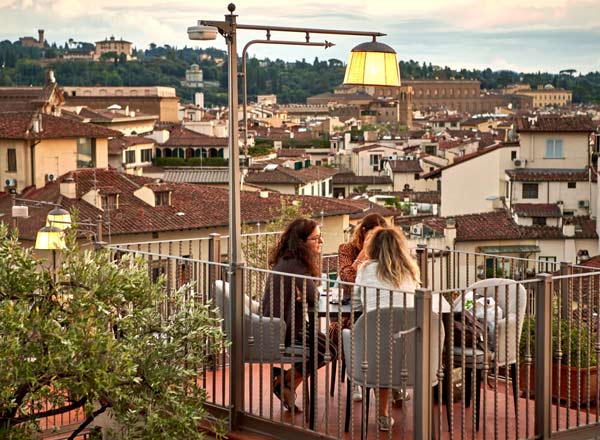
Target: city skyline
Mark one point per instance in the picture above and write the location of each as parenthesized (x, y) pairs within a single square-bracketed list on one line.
[(541, 36)]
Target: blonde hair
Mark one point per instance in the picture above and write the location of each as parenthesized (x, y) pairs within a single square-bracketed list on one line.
[(388, 247)]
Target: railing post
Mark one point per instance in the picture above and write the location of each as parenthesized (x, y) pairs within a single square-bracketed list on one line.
[(422, 391), (214, 256), (565, 304), (543, 357), (99, 229), (422, 262)]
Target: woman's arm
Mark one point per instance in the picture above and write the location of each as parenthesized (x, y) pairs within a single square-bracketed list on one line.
[(346, 263)]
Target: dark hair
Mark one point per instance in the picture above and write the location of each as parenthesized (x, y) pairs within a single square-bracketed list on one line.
[(292, 244), (368, 222)]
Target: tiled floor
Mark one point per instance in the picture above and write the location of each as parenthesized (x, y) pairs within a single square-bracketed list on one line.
[(331, 410)]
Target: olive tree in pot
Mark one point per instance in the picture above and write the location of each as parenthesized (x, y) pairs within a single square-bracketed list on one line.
[(89, 340)]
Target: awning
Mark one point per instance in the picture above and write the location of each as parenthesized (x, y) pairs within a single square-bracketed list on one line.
[(510, 249)]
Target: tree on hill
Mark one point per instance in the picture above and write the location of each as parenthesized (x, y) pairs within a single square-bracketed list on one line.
[(293, 82), (90, 337)]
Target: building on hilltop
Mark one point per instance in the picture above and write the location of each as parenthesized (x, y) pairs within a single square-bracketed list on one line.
[(194, 77), (111, 45), (33, 42)]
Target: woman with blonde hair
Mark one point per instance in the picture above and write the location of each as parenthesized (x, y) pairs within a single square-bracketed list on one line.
[(389, 267), (350, 256)]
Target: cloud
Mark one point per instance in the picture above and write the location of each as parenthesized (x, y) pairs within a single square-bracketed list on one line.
[(533, 35)]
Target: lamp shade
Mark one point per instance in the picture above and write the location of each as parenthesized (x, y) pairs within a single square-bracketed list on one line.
[(59, 218), (50, 238), (373, 64)]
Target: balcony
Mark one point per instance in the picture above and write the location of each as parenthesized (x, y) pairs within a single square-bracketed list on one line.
[(412, 342)]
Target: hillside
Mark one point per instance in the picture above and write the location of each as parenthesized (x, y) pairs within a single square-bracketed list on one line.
[(293, 82)]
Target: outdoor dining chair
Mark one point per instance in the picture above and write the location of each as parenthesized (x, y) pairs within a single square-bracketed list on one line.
[(503, 344), (383, 341)]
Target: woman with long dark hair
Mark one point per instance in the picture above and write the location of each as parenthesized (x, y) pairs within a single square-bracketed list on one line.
[(296, 253)]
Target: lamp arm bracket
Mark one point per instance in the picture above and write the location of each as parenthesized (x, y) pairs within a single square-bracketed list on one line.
[(224, 27)]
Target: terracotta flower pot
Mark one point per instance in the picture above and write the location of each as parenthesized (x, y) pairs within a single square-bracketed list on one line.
[(566, 373)]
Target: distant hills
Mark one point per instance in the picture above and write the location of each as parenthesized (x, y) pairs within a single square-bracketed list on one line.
[(293, 82)]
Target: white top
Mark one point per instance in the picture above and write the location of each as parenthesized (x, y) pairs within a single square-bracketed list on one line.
[(367, 276)]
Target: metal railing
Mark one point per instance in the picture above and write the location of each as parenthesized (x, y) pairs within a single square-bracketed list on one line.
[(512, 354)]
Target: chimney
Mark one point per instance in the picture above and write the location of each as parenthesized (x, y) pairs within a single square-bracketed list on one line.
[(41, 37), (450, 232), (568, 230), (37, 124), (50, 78), (68, 188)]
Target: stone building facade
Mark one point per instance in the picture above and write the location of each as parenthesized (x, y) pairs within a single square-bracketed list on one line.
[(112, 45), (460, 95), (161, 101)]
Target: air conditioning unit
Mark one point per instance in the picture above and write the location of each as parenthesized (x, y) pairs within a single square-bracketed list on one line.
[(415, 230), (50, 177), (11, 183), (519, 163), (584, 203), (392, 157)]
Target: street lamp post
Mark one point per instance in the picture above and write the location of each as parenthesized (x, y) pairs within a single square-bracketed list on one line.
[(371, 63)]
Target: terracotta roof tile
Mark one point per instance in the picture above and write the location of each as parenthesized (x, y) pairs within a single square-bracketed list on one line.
[(365, 207), (352, 179), (288, 175), (499, 225), (183, 137), (202, 206), (549, 174), (537, 210), (291, 152), (556, 123), (18, 125), (14, 99), (405, 166)]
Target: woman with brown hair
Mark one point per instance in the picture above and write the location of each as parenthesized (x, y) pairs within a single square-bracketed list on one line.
[(352, 254), (296, 253), (389, 268)]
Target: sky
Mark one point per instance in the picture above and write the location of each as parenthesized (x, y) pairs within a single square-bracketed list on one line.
[(520, 35)]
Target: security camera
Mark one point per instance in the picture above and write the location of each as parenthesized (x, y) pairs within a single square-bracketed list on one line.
[(201, 32)]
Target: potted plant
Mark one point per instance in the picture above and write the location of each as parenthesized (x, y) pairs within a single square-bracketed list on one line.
[(572, 372)]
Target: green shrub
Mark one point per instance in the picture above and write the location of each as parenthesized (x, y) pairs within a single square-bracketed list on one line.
[(575, 336)]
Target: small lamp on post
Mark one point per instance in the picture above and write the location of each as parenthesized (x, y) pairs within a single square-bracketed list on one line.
[(59, 218), (50, 238)]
